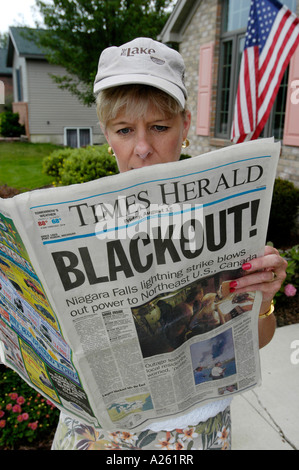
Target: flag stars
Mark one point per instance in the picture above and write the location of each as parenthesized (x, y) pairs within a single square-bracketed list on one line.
[(260, 22), (265, 21)]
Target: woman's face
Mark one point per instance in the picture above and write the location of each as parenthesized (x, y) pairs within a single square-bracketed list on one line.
[(152, 139)]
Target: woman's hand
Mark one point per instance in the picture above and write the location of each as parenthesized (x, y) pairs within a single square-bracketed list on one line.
[(265, 274)]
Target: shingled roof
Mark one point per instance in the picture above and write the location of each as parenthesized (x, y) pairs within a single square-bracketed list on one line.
[(22, 40)]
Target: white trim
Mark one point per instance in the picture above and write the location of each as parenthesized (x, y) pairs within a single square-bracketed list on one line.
[(178, 21)]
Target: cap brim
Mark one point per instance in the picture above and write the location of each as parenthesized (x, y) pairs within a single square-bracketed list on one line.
[(128, 79)]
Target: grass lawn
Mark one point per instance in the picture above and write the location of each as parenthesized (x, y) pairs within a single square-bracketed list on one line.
[(21, 164)]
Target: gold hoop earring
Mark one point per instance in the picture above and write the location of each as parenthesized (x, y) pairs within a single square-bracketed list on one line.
[(110, 151), (185, 144)]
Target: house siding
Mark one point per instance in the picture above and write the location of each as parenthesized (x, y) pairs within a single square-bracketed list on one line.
[(204, 28), (51, 109), (19, 63)]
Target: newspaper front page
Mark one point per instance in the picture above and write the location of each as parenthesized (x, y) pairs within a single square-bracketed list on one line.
[(114, 294)]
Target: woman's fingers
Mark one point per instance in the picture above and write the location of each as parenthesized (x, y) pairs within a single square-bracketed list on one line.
[(265, 274)]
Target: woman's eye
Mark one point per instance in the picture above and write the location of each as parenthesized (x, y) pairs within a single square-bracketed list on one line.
[(160, 128), (123, 131)]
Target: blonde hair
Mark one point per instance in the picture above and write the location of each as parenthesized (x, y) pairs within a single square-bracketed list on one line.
[(134, 100)]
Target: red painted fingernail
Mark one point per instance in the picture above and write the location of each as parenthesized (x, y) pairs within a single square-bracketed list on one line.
[(231, 289), (246, 266), (233, 284)]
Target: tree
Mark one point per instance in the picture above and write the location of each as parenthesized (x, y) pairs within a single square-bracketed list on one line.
[(78, 30), (3, 40)]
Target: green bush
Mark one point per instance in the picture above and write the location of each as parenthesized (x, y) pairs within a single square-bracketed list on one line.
[(284, 210), (9, 125), (71, 166), (185, 156), (290, 286), (88, 164), (26, 417), (292, 257), (53, 164)]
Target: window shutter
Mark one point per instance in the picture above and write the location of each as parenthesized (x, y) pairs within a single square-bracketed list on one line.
[(204, 89), (291, 127)]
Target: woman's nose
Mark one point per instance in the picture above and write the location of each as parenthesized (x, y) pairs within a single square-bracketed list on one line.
[(143, 146), (144, 155)]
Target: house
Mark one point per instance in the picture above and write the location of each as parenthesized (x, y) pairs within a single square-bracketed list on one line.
[(6, 89), (210, 36), (49, 113)]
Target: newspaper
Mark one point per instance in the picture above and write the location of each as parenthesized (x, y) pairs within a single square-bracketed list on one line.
[(114, 294)]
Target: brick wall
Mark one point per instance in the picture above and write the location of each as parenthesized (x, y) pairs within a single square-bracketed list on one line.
[(205, 27), (22, 108), (8, 87)]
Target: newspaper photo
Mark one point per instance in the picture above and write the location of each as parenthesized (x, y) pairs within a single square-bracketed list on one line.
[(114, 294)]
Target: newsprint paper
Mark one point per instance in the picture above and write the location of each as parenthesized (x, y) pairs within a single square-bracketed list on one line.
[(114, 294)]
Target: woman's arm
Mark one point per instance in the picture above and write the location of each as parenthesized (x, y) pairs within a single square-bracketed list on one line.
[(267, 326), (265, 274)]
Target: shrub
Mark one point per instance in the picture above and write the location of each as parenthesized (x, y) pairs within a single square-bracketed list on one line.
[(185, 156), (53, 164), (88, 164), (284, 210), (10, 126), (25, 416), (71, 166), (291, 284)]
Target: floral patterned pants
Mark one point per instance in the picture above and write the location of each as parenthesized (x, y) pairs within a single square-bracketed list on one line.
[(213, 434)]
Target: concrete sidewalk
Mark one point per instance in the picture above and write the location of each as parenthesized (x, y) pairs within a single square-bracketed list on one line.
[(267, 418)]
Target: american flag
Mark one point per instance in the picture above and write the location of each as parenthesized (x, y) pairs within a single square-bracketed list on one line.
[(271, 39)]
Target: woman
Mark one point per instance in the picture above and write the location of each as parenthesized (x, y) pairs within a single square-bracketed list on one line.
[(146, 121)]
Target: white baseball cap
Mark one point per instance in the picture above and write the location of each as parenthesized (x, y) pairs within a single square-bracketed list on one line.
[(143, 61)]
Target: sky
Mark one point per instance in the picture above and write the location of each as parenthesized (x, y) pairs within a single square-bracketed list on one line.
[(18, 13)]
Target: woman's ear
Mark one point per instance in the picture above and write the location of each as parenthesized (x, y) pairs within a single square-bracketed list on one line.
[(187, 123)]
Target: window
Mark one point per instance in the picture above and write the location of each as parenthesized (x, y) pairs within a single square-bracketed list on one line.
[(234, 24), (275, 124), (236, 14), (19, 85), (77, 137)]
